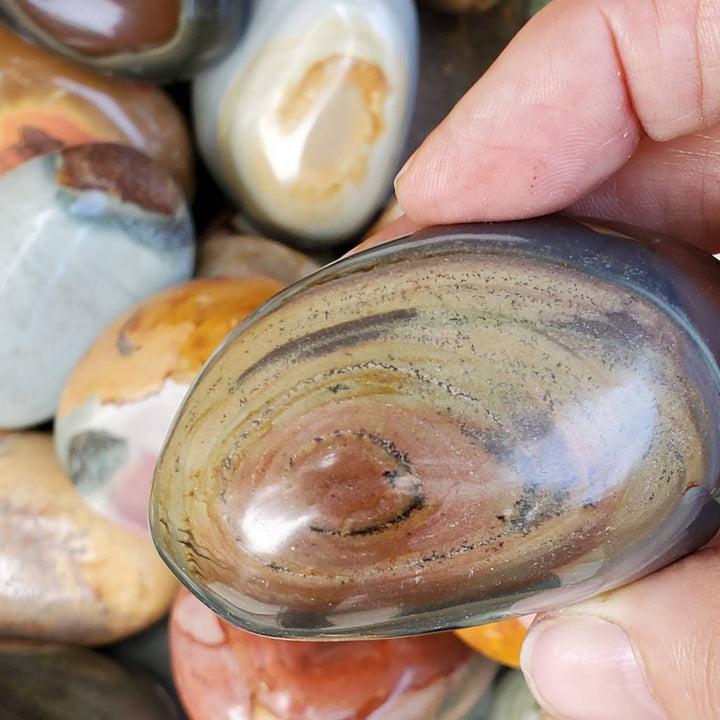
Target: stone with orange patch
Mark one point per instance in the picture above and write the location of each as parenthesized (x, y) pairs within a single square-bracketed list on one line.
[(68, 574), (500, 641), (304, 122), (121, 398), (225, 673), (47, 103)]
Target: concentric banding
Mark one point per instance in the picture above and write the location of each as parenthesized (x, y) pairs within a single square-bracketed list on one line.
[(541, 423)]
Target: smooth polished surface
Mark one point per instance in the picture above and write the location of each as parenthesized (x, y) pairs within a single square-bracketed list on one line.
[(303, 124), (85, 232), (224, 673), (66, 574), (123, 394), (500, 641), (227, 252), (160, 40), (47, 103), (473, 423), (61, 682)]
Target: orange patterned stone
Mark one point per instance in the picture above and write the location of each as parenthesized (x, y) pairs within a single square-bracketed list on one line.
[(224, 673), (122, 396), (68, 575), (500, 641), (47, 102)]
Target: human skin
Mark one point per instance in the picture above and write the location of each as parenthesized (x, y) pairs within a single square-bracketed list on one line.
[(607, 109)]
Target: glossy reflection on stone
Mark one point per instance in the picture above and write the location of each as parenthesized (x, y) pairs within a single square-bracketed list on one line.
[(472, 423), (160, 40), (224, 673), (121, 398), (68, 575), (85, 232), (303, 124), (227, 252), (60, 682), (47, 103)]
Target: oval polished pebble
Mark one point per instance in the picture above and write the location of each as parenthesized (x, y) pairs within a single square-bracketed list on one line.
[(121, 398), (66, 574), (224, 673), (47, 103), (303, 124), (226, 252), (500, 641), (162, 40), (472, 423), (85, 232), (62, 682)]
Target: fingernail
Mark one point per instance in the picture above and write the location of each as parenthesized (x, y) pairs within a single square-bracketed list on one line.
[(403, 170), (586, 669)]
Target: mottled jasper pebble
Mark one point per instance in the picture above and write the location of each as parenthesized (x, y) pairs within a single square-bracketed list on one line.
[(161, 40), (67, 574), (224, 673), (117, 406), (62, 682), (469, 424), (225, 252), (304, 122), (500, 641), (47, 103), (512, 700), (461, 6), (85, 232)]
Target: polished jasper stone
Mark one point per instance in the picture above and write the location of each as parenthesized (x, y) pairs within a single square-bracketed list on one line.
[(85, 232), (68, 574), (304, 123), (500, 641), (224, 673), (160, 40), (225, 251), (61, 682), (121, 397), (469, 424), (47, 103)]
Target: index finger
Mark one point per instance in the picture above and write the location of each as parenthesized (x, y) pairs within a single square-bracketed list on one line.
[(565, 106)]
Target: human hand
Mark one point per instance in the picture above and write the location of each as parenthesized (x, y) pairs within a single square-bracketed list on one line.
[(608, 109)]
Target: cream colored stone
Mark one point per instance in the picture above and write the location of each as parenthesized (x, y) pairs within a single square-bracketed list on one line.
[(66, 574)]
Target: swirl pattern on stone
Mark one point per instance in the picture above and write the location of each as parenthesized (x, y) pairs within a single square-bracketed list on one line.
[(473, 423)]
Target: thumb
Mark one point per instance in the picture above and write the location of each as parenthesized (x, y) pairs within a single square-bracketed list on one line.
[(648, 651)]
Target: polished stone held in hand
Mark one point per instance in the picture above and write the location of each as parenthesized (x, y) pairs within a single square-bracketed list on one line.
[(468, 424)]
